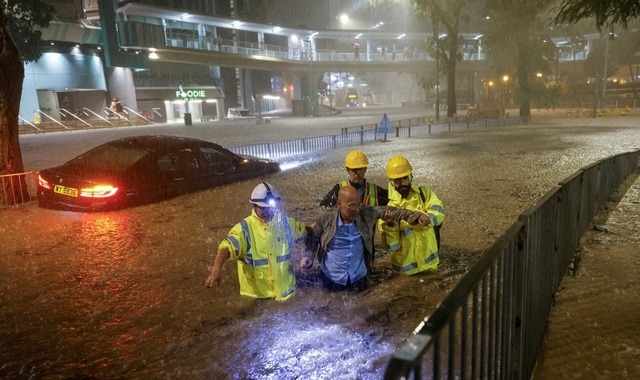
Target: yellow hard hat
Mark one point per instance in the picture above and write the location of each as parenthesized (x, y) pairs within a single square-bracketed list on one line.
[(356, 160), (398, 167)]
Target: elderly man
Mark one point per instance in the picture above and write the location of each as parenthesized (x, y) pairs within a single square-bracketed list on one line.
[(261, 245), (345, 236)]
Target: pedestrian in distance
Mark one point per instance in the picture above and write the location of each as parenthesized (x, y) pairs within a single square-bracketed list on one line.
[(413, 248), (261, 244), (345, 240), (356, 163)]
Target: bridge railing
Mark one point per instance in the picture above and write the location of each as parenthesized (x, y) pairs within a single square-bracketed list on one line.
[(492, 323)]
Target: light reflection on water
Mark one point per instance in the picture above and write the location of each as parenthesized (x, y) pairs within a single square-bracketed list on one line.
[(285, 344), (106, 292)]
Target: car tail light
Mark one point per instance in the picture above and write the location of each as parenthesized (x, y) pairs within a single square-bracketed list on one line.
[(43, 182), (100, 191)]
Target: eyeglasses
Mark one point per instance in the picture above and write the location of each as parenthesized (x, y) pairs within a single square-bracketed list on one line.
[(353, 206)]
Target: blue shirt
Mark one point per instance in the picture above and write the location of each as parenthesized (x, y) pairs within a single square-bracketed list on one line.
[(345, 255)]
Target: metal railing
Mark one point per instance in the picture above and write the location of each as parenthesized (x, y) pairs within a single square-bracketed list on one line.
[(420, 126), (293, 147), (491, 325), (17, 188)]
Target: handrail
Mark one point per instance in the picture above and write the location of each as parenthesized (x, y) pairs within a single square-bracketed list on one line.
[(52, 119), (111, 112), (68, 113), (28, 122), (137, 114), (85, 110)]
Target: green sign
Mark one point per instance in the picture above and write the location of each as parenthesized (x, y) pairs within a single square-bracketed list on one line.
[(191, 94)]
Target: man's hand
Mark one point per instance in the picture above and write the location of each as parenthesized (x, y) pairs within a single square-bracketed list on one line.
[(306, 263), (424, 220), (214, 278), (387, 216)]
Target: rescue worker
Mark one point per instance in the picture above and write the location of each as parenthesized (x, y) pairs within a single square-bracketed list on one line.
[(345, 239), (413, 248), (356, 164), (261, 244)]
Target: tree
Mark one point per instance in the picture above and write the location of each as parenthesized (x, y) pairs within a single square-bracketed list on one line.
[(606, 12), (448, 13), (20, 41), (625, 50), (518, 43)]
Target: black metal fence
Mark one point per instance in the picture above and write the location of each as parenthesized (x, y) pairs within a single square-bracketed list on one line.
[(491, 325), (293, 147), (17, 188)]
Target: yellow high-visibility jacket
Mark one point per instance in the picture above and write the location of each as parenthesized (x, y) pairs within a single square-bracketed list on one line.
[(263, 253), (413, 247)]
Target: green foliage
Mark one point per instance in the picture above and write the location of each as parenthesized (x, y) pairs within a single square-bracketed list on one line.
[(594, 64), (543, 94), (605, 12), (25, 18)]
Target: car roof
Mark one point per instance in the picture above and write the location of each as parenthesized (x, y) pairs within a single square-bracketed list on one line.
[(155, 142)]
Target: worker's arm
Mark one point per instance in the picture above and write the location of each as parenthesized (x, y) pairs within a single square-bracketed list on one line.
[(214, 277)]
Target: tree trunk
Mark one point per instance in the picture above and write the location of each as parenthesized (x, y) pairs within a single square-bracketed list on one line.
[(524, 74), (451, 91), (11, 80), (451, 78), (633, 82)]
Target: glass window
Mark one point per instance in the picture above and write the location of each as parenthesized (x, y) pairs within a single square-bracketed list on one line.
[(183, 159), (215, 157), (111, 157)]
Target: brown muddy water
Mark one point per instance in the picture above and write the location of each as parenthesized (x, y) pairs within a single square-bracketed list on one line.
[(121, 294)]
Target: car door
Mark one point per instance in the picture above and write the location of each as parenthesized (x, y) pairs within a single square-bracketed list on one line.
[(221, 165), (179, 169)]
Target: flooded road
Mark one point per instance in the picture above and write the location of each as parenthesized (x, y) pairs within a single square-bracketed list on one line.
[(121, 294)]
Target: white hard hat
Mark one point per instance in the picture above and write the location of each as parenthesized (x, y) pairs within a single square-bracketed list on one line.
[(265, 195)]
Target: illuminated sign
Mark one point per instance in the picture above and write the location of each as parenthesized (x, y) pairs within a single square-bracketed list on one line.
[(191, 94)]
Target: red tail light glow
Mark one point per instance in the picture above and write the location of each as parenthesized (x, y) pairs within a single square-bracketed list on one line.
[(43, 182), (100, 191)]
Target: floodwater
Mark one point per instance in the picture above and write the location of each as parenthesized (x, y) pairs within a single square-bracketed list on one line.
[(121, 294)]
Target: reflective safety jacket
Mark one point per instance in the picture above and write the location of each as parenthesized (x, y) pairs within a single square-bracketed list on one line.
[(263, 252), (370, 194), (413, 247)]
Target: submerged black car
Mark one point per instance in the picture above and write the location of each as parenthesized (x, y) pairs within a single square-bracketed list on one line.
[(143, 169)]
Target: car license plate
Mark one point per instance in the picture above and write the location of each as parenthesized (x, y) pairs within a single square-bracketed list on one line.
[(69, 191)]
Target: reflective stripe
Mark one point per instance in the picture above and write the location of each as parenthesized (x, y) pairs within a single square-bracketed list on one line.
[(283, 258), (372, 197), (287, 231), (289, 291), (394, 246), (234, 242), (344, 183), (431, 257), (301, 238), (405, 268), (247, 239), (256, 263), (433, 218), (438, 208), (406, 232)]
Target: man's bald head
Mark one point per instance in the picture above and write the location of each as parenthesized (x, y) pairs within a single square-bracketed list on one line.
[(349, 203), (348, 194)]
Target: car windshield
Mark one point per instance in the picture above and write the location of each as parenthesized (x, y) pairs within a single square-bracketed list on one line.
[(111, 157)]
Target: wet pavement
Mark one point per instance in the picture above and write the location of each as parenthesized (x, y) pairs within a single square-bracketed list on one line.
[(121, 294)]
